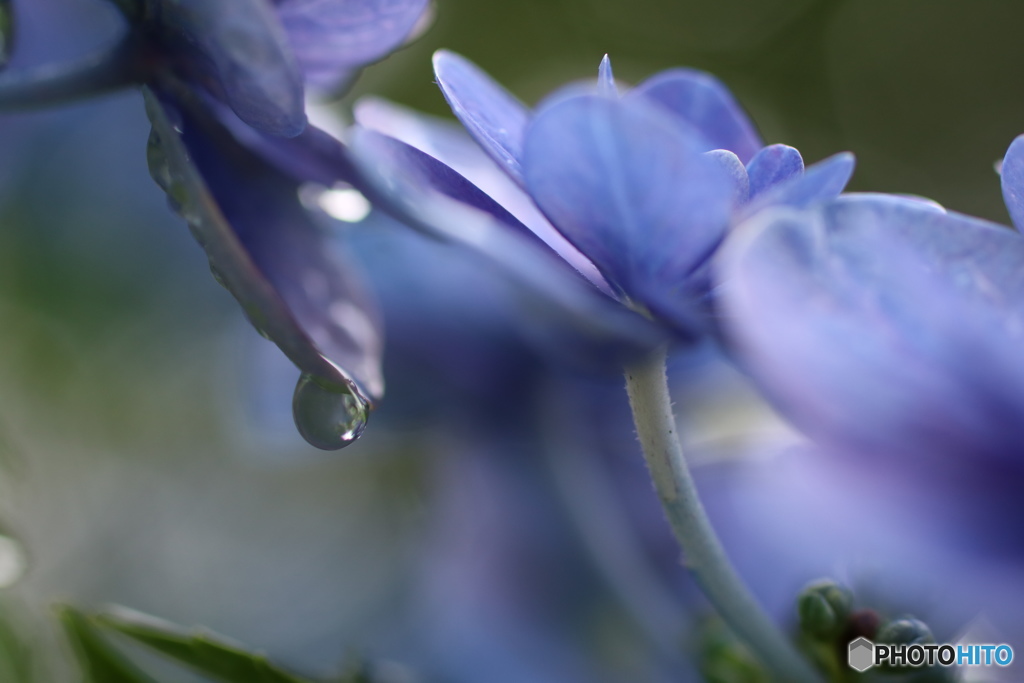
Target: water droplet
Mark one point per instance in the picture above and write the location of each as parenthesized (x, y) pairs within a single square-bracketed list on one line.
[(327, 416)]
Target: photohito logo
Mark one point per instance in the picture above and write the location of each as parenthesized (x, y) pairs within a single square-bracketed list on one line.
[(864, 654)]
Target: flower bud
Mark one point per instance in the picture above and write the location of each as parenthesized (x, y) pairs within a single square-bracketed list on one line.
[(823, 607)]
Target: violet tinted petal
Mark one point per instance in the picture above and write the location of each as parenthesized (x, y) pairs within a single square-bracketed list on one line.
[(885, 327), (773, 165), (449, 144), (239, 52), (733, 167), (562, 300), (606, 79), (265, 247), (331, 37), (492, 115), (1012, 180), (704, 102), (820, 183), (628, 188)]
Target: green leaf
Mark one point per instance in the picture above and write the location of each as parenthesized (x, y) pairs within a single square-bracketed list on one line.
[(100, 661), (211, 655), (16, 656)]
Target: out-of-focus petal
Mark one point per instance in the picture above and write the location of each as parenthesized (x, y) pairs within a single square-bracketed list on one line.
[(705, 103), (888, 329), (773, 165), (628, 187), (331, 37), (449, 144), (238, 50), (492, 115), (606, 79), (733, 167), (820, 183), (266, 248), (565, 303), (1012, 180)]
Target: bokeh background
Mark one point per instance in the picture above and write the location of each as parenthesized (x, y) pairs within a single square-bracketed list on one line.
[(148, 457)]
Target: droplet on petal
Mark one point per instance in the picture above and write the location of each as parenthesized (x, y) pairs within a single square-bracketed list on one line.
[(329, 417)]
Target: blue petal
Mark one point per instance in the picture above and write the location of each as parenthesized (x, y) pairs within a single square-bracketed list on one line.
[(605, 78), (819, 183), (705, 103), (492, 115), (239, 52), (733, 167), (448, 143), (332, 37), (624, 184), (773, 165), (1012, 179), (266, 248), (886, 328), (565, 305)]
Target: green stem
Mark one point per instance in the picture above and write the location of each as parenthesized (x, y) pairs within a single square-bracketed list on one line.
[(647, 387), (114, 69)]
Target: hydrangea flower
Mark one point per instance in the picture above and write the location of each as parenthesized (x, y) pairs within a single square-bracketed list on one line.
[(633, 191), (225, 82), (889, 331)]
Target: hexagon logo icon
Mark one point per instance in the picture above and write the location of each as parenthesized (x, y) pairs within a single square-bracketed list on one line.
[(861, 655)]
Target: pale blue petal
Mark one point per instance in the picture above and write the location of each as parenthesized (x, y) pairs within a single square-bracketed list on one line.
[(332, 37), (624, 184), (773, 165), (885, 327), (562, 300), (733, 167), (492, 115), (606, 79), (1012, 179), (448, 143), (705, 103), (819, 183)]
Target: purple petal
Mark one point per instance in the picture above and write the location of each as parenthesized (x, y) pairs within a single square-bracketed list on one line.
[(819, 183), (239, 52), (332, 37), (773, 165), (449, 144), (705, 103), (733, 167), (624, 184), (1012, 179), (562, 300), (492, 115), (605, 78), (266, 248), (889, 329)]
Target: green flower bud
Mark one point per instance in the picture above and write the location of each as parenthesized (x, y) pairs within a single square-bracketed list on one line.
[(823, 607)]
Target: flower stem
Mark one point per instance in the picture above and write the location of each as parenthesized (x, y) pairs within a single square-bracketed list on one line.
[(647, 386)]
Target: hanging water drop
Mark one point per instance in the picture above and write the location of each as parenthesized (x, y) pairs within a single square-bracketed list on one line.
[(328, 417)]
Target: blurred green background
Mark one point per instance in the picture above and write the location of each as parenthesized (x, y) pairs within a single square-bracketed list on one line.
[(133, 472)]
